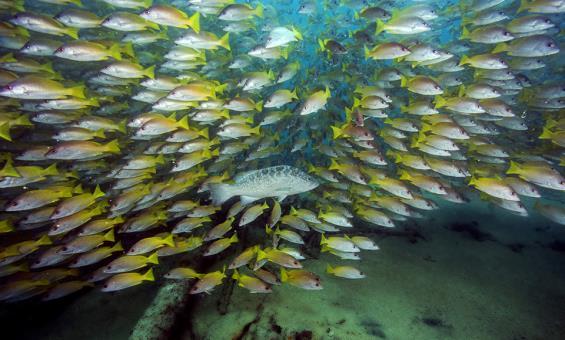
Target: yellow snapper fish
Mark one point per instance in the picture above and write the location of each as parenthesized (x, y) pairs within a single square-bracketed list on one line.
[(126, 280), (253, 284)]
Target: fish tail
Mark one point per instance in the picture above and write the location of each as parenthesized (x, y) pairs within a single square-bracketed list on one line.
[(113, 146), (115, 52), (284, 53), (464, 33), (234, 238), (403, 81), (194, 22), (259, 106), (220, 193), (72, 32), (464, 60), (461, 91), (225, 41), (127, 49), (546, 134), (51, 170), (348, 112), (329, 269), (297, 33), (380, 27), (523, 6), (405, 175), (183, 123), (43, 241), (100, 134), (148, 276), (8, 170), (77, 91), (502, 47), (5, 132), (22, 120), (169, 240), (337, 132), (259, 11), (154, 258), (109, 236), (284, 275), (220, 88), (19, 5), (440, 102), (98, 192), (150, 72), (117, 247), (514, 169), (204, 133)]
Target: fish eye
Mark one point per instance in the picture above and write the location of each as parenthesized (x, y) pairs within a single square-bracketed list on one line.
[(37, 261), (547, 21), (550, 44), (65, 248), (109, 267), (435, 51), (506, 34), (105, 286)]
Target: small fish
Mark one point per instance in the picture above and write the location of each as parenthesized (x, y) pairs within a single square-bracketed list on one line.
[(126, 280), (301, 278), (183, 273), (253, 284), (208, 282), (346, 272)]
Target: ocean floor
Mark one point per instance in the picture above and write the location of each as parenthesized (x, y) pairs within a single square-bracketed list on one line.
[(471, 273), (464, 272)]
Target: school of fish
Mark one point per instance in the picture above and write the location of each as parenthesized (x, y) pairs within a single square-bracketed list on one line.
[(137, 130)]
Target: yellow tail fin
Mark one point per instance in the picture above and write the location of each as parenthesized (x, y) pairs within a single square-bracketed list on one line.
[(225, 42), (113, 146), (148, 276), (72, 32), (150, 72), (194, 22), (380, 27), (259, 11)]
